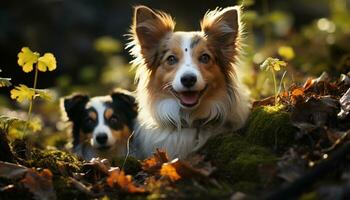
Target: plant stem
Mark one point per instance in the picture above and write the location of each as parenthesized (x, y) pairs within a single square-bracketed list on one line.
[(31, 102), (275, 84)]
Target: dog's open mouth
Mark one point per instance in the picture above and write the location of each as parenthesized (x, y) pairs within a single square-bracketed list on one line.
[(189, 98)]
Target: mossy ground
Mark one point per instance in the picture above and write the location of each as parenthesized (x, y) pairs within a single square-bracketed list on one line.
[(238, 161), (59, 162), (270, 126), (238, 157)]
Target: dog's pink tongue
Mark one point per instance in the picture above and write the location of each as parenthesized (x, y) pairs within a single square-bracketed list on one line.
[(189, 98)]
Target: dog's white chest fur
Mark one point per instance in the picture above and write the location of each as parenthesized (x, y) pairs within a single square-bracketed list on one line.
[(177, 143), (172, 129)]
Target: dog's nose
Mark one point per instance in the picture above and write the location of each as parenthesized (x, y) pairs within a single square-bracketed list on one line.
[(188, 80), (101, 138)]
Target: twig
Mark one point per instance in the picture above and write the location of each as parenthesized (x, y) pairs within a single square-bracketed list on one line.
[(127, 149)]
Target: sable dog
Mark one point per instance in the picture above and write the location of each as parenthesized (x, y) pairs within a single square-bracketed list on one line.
[(101, 125), (187, 88)]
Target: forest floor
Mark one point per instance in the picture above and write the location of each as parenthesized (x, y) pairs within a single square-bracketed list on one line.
[(296, 149)]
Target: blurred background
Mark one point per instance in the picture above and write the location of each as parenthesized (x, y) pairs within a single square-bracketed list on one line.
[(88, 39)]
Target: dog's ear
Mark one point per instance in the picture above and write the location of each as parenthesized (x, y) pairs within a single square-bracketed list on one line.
[(73, 105), (148, 29), (222, 28), (125, 100)]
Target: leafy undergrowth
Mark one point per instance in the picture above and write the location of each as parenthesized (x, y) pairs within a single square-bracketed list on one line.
[(297, 149)]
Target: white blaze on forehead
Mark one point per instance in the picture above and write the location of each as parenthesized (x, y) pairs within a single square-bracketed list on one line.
[(98, 103), (187, 64), (186, 48)]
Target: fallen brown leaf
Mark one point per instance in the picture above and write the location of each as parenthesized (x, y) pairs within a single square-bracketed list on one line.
[(123, 181), (96, 169), (154, 163), (308, 84), (315, 110), (169, 170), (39, 184), (184, 170), (264, 102)]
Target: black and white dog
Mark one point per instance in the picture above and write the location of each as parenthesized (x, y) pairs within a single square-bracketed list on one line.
[(102, 125)]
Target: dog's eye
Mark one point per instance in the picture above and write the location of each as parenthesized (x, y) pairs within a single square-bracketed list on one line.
[(171, 60), (204, 58), (89, 120), (113, 119)]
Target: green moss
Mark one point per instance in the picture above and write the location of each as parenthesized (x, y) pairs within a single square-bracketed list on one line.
[(225, 146), (270, 126), (59, 162), (238, 157), (237, 160), (245, 165)]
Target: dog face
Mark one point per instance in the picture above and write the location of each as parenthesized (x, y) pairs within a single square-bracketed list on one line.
[(104, 122), (187, 71), (190, 70)]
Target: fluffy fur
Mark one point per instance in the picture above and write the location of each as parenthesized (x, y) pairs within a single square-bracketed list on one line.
[(187, 86), (101, 125)]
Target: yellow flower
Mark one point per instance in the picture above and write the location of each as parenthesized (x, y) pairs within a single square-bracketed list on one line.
[(272, 63), (286, 52), (277, 64), (48, 61), (22, 92), (27, 58), (281, 63)]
